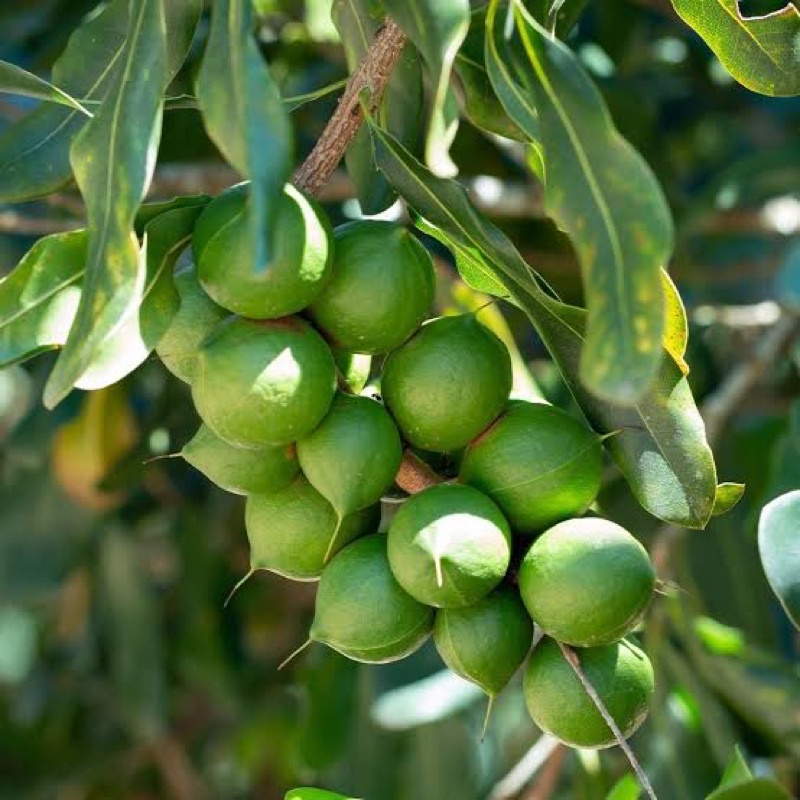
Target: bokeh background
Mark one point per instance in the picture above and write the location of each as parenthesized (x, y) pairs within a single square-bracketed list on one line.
[(121, 673)]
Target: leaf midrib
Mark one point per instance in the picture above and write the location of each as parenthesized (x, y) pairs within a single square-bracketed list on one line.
[(623, 309)]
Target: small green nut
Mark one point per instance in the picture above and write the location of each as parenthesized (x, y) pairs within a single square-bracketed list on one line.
[(381, 288), (295, 532), (263, 383), (241, 470), (449, 546), (539, 464), (363, 612), (302, 251), (198, 315), (487, 641), (557, 701), (586, 582), (353, 455), (447, 383)]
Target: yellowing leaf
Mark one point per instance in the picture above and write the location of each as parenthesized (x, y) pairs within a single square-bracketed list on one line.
[(762, 53)]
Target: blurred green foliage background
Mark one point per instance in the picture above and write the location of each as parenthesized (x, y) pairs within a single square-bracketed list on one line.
[(121, 673)]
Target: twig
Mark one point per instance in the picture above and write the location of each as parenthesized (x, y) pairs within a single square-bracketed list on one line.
[(524, 770), (722, 403), (551, 773), (176, 769), (414, 474), (373, 74), (572, 659)]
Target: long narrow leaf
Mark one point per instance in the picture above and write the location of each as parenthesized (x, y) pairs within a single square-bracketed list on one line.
[(34, 151), (245, 117), (113, 159), (15, 80), (600, 191)]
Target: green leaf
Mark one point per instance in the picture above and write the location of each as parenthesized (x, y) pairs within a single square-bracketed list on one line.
[(626, 788), (148, 318), (437, 28), (661, 448), (34, 151), (113, 159), (726, 497), (18, 81), (760, 52), (400, 110), (737, 769), (600, 191), (481, 105), (39, 298), (755, 789), (306, 793), (676, 325), (779, 547), (132, 635), (245, 117)]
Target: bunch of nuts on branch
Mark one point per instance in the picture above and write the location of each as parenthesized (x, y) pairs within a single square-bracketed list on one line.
[(277, 365)]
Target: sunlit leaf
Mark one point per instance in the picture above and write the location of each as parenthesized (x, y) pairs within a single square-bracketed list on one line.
[(306, 793), (676, 325), (737, 769), (39, 298), (600, 191), (437, 28), (779, 547), (760, 52), (245, 117), (148, 318), (15, 80), (626, 788), (661, 446), (113, 158), (34, 151), (726, 497)]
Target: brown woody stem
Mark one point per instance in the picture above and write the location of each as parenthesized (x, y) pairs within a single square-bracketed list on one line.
[(414, 474), (373, 73)]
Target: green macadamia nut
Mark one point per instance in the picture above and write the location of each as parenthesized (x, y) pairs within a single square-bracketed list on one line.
[(447, 383), (302, 251)]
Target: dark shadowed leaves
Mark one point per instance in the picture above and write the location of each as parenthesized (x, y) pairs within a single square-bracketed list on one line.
[(481, 105), (132, 635), (245, 117), (34, 152), (779, 546), (437, 28), (760, 52), (661, 447), (113, 158)]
